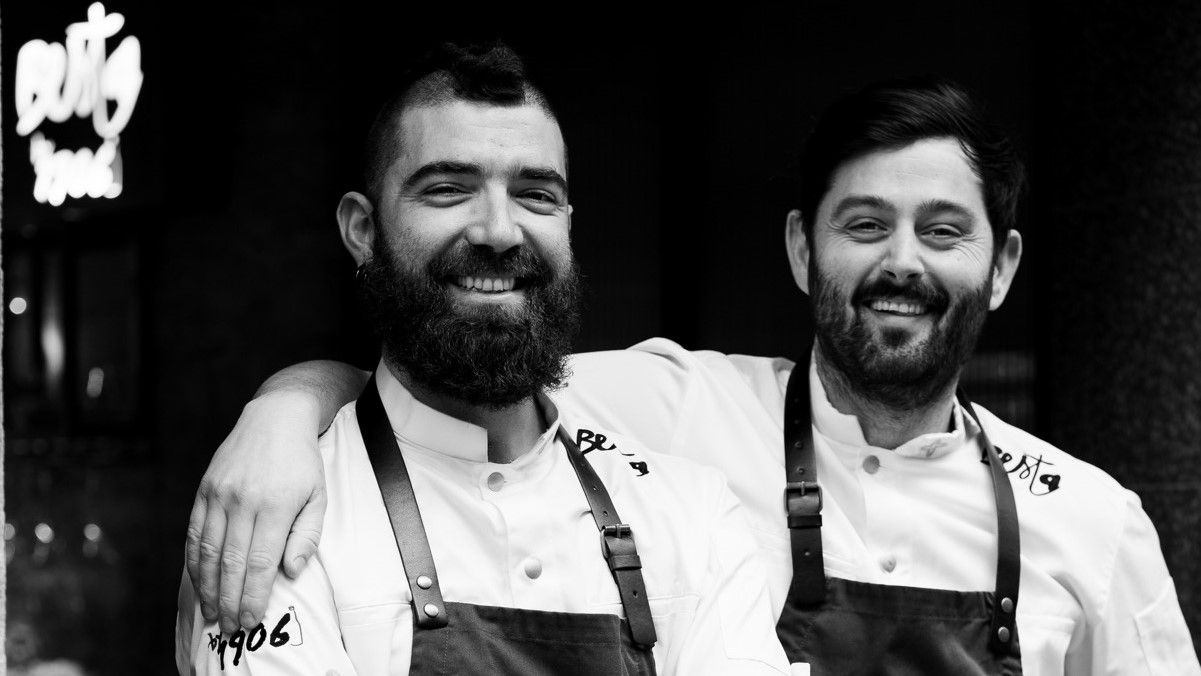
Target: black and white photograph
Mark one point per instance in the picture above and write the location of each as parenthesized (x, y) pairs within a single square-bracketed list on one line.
[(805, 339)]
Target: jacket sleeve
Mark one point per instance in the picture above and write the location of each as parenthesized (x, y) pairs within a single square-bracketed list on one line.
[(733, 631), (299, 634), (1140, 628)]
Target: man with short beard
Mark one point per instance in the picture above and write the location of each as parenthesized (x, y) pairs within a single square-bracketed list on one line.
[(466, 530), (905, 529)]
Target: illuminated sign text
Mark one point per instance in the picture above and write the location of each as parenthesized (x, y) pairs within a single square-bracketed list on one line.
[(54, 82)]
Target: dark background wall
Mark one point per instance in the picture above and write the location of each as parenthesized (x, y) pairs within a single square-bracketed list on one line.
[(1120, 348), (220, 263)]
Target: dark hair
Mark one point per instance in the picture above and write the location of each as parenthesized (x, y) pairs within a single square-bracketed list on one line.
[(489, 73), (896, 113)]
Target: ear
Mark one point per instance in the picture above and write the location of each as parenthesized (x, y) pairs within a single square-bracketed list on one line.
[(356, 221), (797, 245), (1005, 266)]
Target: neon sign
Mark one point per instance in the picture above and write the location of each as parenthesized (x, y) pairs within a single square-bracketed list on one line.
[(54, 82)]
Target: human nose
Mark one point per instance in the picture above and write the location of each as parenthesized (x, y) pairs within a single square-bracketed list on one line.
[(903, 260), (496, 228)]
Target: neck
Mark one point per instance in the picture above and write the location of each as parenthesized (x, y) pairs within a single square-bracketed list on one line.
[(512, 430), (884, 425)]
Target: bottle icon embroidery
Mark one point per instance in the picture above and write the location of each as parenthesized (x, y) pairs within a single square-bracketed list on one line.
[(298, 635)]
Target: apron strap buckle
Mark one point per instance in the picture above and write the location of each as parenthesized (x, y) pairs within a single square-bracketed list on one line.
[(617, 544), (803, 504)]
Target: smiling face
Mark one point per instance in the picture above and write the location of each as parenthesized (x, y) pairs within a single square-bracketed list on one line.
[(468, 269), (901, 269), (482, 178)]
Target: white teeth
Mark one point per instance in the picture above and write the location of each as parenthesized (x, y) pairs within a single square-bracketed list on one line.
[(486, 284), (898, 308)]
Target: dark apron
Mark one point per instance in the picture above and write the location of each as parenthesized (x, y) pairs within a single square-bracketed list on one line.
[(461, 638), (846, 628)]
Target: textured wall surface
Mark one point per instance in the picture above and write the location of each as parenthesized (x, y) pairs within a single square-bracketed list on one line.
[(1120, 189)]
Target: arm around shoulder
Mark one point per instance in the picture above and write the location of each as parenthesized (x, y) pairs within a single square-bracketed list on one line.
[(324, 385), (263, 494)]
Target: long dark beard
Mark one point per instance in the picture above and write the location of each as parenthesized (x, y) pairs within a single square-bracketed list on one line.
[(485, 355), (892, 371)]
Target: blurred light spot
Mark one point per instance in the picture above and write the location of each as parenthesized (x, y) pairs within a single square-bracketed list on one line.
[(10, 531), (17, 305), (95, 382), (44, 532), (53, 348), (91, 532)]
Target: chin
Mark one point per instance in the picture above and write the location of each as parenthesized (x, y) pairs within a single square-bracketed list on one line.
[(901, 340), (909, 360)]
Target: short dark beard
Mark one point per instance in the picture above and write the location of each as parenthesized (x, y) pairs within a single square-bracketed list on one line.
[(490, 356), (898, 379)]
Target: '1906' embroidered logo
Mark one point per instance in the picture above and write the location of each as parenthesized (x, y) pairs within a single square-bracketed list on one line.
[(243, 642)]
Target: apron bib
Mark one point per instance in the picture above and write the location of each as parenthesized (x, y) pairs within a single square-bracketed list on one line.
[(847, 628), (462, 638)]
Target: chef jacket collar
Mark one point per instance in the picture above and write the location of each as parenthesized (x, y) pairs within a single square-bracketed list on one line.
[(415, 423), (846, 430)]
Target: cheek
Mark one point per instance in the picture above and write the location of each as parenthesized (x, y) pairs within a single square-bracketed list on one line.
[(965, 271), (412, 250), (552, 240), (420, 229), (841, 271)]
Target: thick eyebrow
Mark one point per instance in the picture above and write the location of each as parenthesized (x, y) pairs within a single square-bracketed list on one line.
[(855, 201), (544, 174), (442, 167), (938, 206)]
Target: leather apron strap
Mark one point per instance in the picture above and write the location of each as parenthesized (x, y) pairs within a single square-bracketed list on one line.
[(617, 539), (802, 495), (617, 545), (392, 476), (1009, 543), (803, 504)]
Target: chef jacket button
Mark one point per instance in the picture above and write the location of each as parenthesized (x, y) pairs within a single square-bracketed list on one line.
[(496, 481), (871, 464), (1003, 634), (1007, 604), (532, 568), (432, 610), (888, 563), (424, 581)]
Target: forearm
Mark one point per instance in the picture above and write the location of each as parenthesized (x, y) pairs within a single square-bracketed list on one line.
[(320, 388)]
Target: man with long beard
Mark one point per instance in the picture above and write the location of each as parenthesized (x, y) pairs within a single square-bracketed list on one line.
[(466, 532), (918, 533)]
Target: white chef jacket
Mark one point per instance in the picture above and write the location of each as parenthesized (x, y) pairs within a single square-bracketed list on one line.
[(516, 535), (1095, 595)]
